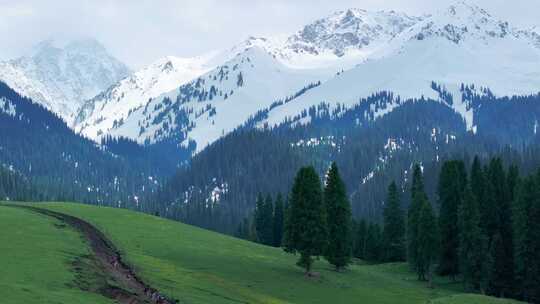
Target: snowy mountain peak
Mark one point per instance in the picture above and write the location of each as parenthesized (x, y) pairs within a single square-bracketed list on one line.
[(350, 29), (462, 21), (62, 77), (465, 8)]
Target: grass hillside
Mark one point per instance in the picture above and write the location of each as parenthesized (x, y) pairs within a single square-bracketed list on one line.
[(199, 266), (36, 260)]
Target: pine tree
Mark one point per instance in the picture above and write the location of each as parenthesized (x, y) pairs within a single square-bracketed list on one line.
[(264, 220), (427, 242), (360, 235), (339, 220), (278, 221), (477, 181), (450, 190), (373, 243), (305, 225), (502, 247), (472, 243), (527, 240), (394, 227), (418, 197)]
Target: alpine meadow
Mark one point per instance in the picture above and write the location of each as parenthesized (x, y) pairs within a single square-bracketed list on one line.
[(225, 152)]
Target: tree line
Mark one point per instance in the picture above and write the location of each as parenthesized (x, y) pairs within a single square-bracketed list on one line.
[(483, 229)]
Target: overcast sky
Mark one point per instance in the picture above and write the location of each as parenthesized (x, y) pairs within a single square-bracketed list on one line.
[(139, 32)]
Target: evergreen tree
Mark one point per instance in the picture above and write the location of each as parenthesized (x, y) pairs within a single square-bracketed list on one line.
[(264, 220), (360, 234), (373, 247), (418, 197), (278, 221), (243, 230), (488, 208), (502, 280), (427, 242), (527, 240), (472, 243), (305, 225), (394, 227), (450, 190), (477, 181), (339, 220)]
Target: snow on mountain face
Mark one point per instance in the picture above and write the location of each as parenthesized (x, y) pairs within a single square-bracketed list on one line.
[(382, 51), (115, 105), (325, 47), (463, 44), (353, 33), (215, 103), (62, 78)]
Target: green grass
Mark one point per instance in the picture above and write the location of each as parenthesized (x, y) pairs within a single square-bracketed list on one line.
[(472, 299), (198, 266), (36, 256)]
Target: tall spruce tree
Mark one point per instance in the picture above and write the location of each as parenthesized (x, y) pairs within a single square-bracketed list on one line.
[(418, 197), (339, 220), (360, 234), (477, 181), (373, 243), (472, 244), (394, 227), (264, 220), (278, 221), (502, 247), (451, 183), (305, 224), (427, 242), (526, 220)]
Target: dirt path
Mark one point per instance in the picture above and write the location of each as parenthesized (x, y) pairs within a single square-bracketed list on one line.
[(122, 285)]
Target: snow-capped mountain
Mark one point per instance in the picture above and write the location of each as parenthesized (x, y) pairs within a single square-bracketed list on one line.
[(212, 105), (346, 37), (135, 91), (337, 60), (61, 78), (463, 44), (315, 53)]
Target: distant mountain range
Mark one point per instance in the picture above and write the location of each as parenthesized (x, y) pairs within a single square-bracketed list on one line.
[(374, 91), (352, 54)]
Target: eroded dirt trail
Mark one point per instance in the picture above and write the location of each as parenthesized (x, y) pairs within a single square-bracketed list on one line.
[(122, 284)]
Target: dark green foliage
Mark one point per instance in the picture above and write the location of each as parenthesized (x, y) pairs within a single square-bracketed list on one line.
[(278, 221), (305, 225), (427, 242), (339, 220), (477, 179), (243, 230), (527, 239), (472, 243), (374, 246), (418, 198), (51, 162), (15, 187), (451, 186), (360, 235), (501, 247), (264, 220), (394, 227)]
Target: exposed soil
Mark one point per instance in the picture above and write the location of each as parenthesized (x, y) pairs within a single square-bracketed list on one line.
[(119, 280)]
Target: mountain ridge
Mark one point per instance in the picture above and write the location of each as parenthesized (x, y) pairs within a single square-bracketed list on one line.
[(451, 47)]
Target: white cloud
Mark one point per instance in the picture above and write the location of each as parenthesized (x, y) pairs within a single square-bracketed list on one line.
[(139, 32)]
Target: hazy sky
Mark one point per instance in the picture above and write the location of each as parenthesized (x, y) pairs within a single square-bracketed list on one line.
[(141, 31)]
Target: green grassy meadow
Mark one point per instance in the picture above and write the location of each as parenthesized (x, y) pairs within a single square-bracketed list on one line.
[(199, 266), (36, 256)]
